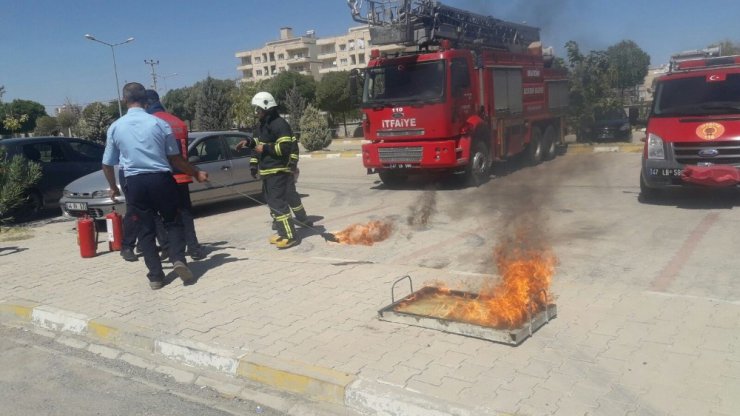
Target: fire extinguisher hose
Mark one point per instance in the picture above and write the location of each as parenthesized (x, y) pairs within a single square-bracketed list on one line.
[(327, 236)]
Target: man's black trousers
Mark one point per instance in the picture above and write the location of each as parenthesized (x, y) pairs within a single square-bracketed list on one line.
[(149, 195), (276, 193)]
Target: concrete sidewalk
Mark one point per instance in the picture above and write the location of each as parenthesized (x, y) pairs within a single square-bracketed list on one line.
[(304, 321)]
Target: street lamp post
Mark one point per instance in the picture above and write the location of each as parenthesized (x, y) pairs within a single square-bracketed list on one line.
[(115, 70)]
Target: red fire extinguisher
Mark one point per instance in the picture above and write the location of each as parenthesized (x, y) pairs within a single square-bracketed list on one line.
[(86, 237), (114, 225)]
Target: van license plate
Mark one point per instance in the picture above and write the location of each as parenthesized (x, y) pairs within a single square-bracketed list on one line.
[(76, 206), (671, 172)]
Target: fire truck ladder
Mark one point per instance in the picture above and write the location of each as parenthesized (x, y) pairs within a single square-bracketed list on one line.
[(426, 22)]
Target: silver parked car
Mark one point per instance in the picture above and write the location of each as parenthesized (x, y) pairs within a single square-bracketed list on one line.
[(212, 151)]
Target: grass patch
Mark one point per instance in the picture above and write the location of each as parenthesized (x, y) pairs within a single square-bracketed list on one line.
[(15, 233)]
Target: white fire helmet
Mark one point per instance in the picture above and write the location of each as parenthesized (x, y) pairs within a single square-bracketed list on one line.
[(264, 100)]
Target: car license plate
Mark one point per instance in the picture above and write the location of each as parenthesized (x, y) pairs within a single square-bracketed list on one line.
[(676, 172), (76, 206)]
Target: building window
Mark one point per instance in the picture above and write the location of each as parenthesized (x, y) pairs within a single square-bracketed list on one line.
[(342, 47), (351, 45), (362, 58), (281, 56), (272, 56), (343, 62), (360, 44), (257, 59), (258, 72), (353, 59)]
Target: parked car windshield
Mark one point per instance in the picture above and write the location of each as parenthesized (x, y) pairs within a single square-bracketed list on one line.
[(414, 81), (696, 96)]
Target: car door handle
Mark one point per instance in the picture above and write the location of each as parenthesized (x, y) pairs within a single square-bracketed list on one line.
[(225, 167)]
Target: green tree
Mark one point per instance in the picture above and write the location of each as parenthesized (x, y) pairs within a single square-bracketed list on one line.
[(332, 95), (17, 174), (2, 92), (47, 126), (95, 122), (214, 101), (295, 104), (628, 65), (179, 103), (282, 83), (314, 130), (14, 124), (590, 87), (18, 108)]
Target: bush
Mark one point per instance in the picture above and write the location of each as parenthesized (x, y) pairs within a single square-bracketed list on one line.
[(315, 134), (16, 175)]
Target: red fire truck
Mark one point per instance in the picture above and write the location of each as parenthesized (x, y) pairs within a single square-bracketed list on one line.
[(694, 123), (467, 90)]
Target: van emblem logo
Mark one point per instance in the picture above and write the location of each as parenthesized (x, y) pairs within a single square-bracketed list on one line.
[(710, 131), (708, 152)]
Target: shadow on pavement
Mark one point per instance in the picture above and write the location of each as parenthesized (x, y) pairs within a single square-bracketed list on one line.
[(695, 198)]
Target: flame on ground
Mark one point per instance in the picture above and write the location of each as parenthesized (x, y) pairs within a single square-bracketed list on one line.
[(523, 291), (365, 234)]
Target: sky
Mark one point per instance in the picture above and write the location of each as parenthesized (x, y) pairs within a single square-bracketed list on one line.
[(44, 56)]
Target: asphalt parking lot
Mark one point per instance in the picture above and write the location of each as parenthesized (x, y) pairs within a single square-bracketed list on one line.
[(648, 304)]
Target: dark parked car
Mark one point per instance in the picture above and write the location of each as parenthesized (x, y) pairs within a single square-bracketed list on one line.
[(212, 151), (62, 159), (611, 124)]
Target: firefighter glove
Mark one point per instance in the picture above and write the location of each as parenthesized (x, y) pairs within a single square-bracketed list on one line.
[(253, 172)]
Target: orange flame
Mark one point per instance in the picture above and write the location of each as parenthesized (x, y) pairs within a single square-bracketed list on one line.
[(522, 292), (365, 234)]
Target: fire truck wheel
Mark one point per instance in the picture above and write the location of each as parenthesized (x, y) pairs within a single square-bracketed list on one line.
[(479, 167), (647, 194), (392, 179), (534, 148), (549, 144)]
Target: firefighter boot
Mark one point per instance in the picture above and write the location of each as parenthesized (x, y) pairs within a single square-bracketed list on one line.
[(286, 243), (275, 239)]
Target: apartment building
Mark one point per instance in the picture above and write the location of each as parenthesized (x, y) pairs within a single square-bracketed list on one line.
[(308, 54)]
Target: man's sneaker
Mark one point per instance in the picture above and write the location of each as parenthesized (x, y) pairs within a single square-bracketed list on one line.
[(275, 239), (156, 285), (285, 243), (196, 253), (182, 270), (128, 254)]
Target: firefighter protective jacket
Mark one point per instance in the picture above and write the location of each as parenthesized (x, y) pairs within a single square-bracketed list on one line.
[(276, 138)]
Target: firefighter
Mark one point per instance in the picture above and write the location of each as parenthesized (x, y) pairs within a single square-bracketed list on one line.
[(273, 145)]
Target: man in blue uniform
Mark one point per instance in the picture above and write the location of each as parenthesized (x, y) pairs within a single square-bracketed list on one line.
[(147, 150)]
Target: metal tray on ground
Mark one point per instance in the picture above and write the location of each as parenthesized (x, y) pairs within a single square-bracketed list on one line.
[(415, 313)]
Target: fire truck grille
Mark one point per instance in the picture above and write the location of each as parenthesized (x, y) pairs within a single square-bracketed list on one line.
[(715, 153), (400, 154)]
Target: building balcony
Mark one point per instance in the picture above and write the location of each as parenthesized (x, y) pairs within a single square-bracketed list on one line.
[(295, 61), (327, 55)]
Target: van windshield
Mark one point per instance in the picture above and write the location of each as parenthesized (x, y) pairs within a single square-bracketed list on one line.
[(403, 83), (697, 96)]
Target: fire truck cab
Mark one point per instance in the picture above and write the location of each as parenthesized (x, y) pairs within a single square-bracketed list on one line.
[(694, 120), (469, 90)]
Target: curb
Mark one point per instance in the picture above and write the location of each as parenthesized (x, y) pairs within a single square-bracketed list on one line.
[(322, 386), (315, 383), (337, 155)]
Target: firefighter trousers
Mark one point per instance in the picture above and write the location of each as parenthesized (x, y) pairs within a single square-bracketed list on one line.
[(275, 189)]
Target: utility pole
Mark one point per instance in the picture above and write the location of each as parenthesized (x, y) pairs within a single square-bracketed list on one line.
[(152, 62)]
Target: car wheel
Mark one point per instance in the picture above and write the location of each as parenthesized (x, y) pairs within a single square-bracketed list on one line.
[(647, 194), (534, 148)]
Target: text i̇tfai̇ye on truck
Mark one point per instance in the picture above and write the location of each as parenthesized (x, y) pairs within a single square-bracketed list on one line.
[(464, 90)]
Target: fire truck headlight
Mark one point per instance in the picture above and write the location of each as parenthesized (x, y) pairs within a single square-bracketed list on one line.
[(102, 193), (655, 148)]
